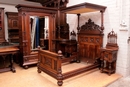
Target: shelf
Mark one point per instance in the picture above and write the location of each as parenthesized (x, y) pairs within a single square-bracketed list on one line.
[(14, 38), (108, 70)]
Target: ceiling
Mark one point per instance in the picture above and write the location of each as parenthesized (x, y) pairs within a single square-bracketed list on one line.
[(16, 2)]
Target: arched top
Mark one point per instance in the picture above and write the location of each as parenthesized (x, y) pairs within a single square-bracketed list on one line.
[(112, 40)]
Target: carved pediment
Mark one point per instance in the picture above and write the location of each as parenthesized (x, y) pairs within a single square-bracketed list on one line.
[(51, 3), (90, 27)]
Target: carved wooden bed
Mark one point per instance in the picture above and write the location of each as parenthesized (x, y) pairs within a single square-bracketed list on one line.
[(89, 40)]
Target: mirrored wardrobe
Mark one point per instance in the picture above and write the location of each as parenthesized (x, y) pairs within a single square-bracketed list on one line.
[(36, 29)]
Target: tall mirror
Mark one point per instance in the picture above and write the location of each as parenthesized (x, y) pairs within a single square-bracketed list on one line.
[(39, 28)]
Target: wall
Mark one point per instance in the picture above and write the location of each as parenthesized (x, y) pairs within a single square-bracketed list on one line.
[(123, 64), (116, 12)]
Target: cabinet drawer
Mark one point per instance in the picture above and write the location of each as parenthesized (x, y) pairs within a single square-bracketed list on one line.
[(30, 58)]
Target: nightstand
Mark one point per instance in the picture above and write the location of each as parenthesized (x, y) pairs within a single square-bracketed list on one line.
[(109, 54), (108, 60)]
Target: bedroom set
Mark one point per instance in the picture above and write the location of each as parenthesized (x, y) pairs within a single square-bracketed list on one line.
[(55, 47)]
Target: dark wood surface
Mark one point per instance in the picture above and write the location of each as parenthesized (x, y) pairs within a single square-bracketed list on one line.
[(8, 52)]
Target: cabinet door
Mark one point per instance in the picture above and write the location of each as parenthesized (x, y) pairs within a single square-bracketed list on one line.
[(13, 23), (13, 30), (12, 20)]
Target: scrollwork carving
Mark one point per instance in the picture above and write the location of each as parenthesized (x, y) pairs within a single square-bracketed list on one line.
[(90, 27)]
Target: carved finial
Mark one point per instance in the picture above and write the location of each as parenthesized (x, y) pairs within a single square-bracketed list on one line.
[(59, 52), (39, 47)]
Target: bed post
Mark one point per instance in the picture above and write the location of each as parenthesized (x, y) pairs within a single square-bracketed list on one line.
[(59, 72), (78, 28), (102, 20)]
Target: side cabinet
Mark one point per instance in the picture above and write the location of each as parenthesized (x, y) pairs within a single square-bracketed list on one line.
[(109, 54), (13, 30), (108, 57), (2, 31)]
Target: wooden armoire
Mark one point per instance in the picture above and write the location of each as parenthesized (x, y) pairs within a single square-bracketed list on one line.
[(28, 54), (49, 17)]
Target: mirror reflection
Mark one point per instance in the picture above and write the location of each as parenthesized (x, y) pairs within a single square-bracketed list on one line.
[(39, 32)]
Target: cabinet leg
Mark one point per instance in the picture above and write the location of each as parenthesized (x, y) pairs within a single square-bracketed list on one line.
[(110, 69), (102, 66), (39, 71), (26, 67), (109, 73), (13, 70), (11, 64), (78, 61)]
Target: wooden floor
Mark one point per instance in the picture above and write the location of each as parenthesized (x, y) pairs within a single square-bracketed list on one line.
[(30, 78)]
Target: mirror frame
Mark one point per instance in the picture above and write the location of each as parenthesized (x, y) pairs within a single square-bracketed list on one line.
[(24, 13), (49, 30)]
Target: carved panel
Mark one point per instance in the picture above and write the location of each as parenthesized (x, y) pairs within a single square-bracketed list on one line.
[(90, 28), (90, 40)]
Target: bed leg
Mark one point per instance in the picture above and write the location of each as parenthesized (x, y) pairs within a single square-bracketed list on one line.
[(60, 83), (60, 78)]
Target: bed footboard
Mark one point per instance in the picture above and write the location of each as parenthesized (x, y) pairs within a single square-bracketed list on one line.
[(50, 63)]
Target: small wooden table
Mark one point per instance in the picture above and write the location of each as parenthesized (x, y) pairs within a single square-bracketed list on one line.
[(4, 52)]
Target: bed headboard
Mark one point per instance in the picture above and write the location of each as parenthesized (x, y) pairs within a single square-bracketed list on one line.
[(90, 40)]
